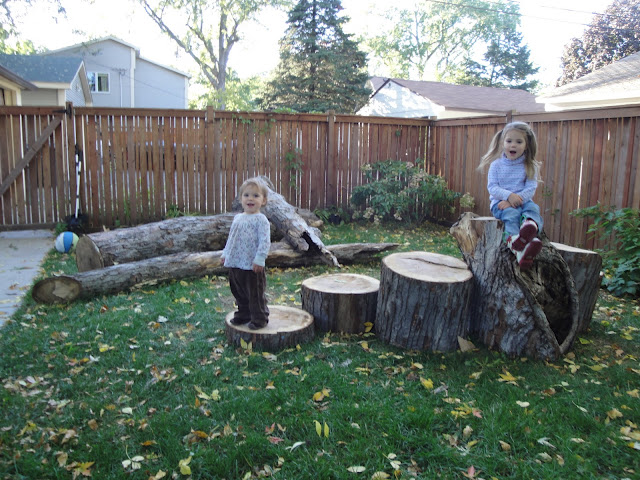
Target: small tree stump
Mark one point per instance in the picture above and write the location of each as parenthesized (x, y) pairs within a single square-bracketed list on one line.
[(423, 300), (287, 327), (342, 302), (585, 266)]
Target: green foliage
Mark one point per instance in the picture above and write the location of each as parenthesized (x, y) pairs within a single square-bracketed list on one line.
[(401, 191), (621, 260), (333, 215), (438, 35), (321, 68), (238, 95), (611, 36), (293, 164), (506, 65)]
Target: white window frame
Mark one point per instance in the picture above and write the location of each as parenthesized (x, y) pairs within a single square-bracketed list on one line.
[(94, 81)]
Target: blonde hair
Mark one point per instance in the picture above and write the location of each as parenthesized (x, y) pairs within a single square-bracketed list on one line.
[(256, 182), (532, 165)]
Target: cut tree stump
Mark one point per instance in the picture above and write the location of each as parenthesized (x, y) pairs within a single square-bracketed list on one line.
[(423, 300), (521, 313), (117, 278), (341, 302), (287, 327), (585, 267)]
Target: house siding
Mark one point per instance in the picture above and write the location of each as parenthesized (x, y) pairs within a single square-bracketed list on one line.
[(74, 94), (40, 97), (156, 85)]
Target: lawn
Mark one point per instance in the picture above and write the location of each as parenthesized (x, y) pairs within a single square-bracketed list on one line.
[(143, 385)]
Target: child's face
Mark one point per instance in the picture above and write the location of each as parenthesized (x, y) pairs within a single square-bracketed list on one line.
[(252, 199), (514, 144)]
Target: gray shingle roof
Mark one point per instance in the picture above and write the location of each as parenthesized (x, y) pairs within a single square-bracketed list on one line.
[(467, 97), (616, 78), (36, 68)]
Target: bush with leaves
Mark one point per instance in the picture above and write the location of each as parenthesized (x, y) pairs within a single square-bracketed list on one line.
[(401, 191), (621, 260)]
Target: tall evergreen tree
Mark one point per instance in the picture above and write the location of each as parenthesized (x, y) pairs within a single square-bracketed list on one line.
[(321, 68)]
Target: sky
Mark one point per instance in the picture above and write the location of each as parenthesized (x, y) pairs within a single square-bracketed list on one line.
[(547, 26)]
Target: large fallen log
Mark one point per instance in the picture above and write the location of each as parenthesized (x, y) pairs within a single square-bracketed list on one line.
[(117, 278), (520, 312)]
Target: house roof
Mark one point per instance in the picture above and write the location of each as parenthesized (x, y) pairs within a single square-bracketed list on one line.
[(15, 78), (467, 97), (36, 68), (122, 42), (618, 79)]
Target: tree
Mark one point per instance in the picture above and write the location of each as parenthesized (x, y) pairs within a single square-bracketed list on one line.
[(321, 68), (206, 30), (9, 35), (438, 35), (506, 65), (611, 36), (238, 95)]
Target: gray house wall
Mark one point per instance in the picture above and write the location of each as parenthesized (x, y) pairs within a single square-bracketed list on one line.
[(40, 97), (153, 81), (74, 94)]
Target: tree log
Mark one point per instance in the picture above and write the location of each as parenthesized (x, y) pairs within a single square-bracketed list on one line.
[(423, 300), (341, 302), (117, 278), (287, 327), (176, 235), (585, 267), (532, 312)]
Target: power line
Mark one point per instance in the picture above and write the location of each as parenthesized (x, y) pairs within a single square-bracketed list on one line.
[(520, 15)]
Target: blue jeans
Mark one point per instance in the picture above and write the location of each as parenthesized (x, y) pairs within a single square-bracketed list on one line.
[(513, 217)]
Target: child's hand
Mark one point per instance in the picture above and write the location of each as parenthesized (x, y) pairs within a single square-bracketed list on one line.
[(258, 268), (515, 200), (221, 260), (503, 205)]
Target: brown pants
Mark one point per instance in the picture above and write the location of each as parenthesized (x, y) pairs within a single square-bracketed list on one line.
[(248, 288)]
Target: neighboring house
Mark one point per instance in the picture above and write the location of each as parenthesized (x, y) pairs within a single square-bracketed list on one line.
[(394, 97), (615, 84), (43, 81), (120, 77)]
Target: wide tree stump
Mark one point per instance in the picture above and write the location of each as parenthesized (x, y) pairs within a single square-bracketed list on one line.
[(341, 302), (585, 267), (117, 278), (423, 301), (519, 312), (287, 327)]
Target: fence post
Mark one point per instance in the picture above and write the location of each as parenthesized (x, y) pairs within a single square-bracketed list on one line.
[(330, 196)]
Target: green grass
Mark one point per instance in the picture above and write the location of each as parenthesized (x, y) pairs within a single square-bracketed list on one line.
[(147, 378)]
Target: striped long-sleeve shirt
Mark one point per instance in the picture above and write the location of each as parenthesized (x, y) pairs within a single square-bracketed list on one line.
[(507, 177)]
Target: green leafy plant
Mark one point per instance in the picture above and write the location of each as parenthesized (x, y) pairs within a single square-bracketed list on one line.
[(334, 215), (293, 163), (401, 191), (621, 260)]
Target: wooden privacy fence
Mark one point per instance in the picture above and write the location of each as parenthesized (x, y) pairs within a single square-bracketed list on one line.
[(139, 165), (588, 156)]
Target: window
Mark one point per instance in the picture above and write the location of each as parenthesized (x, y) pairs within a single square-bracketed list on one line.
[(98, 82)]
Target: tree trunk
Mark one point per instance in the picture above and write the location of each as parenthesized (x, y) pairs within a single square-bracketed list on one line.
[(287, 327), (117, 278), (176, 235), (423, 301), (343, 302), (531, 312), (585, 268)]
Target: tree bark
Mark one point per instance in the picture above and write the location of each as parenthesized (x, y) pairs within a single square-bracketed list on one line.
[(532, 312), (287, 327), (117, 278), (585, 267), (423, 301), (342, 302), (176, 235)]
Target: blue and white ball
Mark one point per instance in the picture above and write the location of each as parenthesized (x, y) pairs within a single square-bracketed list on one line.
[(66, 242)]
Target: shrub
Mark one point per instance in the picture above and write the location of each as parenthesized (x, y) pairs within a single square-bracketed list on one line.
[(401, 191), (621, 261)]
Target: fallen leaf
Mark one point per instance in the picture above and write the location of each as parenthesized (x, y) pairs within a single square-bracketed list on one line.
[(380, 476), (184, 466), (505, 446), (465, 345), (427, 383), (295, 445), (357, 469), (522, 404), (545, 441)]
